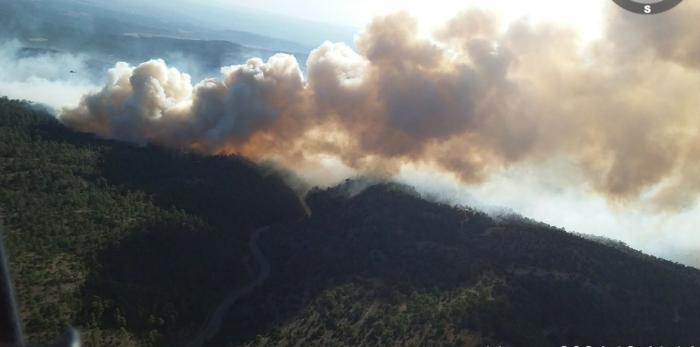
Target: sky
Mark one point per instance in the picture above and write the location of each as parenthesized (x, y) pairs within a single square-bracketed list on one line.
[(586, 17)]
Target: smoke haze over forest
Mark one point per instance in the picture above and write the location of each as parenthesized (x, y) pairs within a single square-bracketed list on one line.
[(595, 136)]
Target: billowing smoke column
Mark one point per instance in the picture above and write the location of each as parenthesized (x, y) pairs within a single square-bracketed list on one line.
[(472, 101)]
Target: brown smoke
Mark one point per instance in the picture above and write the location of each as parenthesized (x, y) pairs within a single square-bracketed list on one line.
[(472, 100)]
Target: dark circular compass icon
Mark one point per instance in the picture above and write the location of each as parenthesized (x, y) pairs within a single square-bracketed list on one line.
[(647, 6)]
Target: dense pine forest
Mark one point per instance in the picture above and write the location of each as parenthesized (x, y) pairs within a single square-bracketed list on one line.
[(134, 245), (385, 267)]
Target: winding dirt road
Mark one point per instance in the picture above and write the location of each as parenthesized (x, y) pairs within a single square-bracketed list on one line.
[(213, 322)]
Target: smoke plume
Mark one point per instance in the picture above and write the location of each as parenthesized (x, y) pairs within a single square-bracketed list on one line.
[(472, 101)]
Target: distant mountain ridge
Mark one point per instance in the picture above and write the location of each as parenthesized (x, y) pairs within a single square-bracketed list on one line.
[(107, 36), (255, 29)]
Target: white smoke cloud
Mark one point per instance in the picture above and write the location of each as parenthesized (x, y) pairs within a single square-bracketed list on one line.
[(473, 101), (608, 129), (156, 103)]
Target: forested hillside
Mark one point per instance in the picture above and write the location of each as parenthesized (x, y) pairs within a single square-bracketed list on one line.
[(388, 268), (132, 245), (136, 245)]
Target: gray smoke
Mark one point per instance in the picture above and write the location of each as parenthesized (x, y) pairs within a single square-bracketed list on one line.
[(472, 101)]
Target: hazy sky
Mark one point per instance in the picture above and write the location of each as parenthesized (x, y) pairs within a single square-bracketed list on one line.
[(584, 15)]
